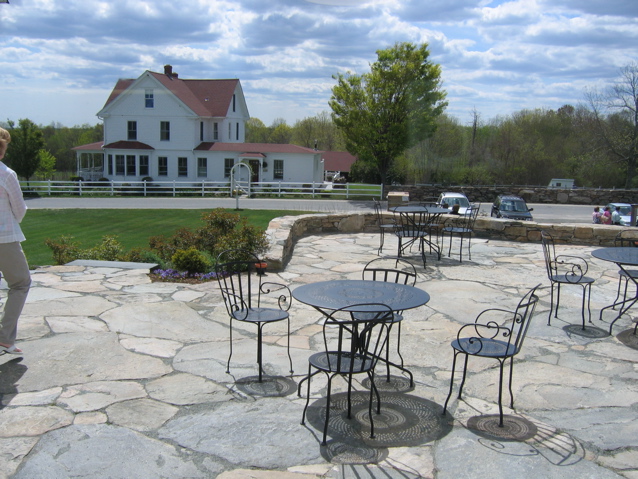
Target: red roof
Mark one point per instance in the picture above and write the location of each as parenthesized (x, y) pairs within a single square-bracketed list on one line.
[(338, 161), (90, 146), (255, 148), (129, 145), (208, 98)]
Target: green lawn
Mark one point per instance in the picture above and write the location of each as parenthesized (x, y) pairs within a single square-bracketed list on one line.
[(132, 227)]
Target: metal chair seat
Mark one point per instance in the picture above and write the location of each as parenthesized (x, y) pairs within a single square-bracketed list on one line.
[(492, 348), (569, 279), (341, 363), (260, 315)]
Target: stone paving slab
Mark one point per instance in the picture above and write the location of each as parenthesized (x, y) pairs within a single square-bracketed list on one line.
[(126, 378)]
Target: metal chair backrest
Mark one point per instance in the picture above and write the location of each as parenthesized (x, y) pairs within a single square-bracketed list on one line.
[(510, 328), (377, 211), (626, 238), (238, 279), (354, 345), (390, 270), (549, 252)]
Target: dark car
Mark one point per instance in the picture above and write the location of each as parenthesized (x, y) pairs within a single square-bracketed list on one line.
[(511, 207)]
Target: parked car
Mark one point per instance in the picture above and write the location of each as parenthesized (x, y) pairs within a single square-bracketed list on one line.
[(448, 200), (511, 207), (625, 211)]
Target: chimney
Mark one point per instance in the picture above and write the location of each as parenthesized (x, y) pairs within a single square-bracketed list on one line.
[(168, 70)]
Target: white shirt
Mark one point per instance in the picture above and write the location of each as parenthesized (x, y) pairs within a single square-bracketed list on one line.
[(12, 206)]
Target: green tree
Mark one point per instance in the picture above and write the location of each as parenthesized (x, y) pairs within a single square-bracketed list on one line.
[(46, 168), (256, 131), (280, 132), (26, 142), (390, 109)]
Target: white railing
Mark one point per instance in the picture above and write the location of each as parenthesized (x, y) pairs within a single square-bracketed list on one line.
[(203, 188)]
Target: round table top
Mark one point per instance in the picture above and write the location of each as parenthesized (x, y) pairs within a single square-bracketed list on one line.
[(619, 255), (337, 294), (433, 210)]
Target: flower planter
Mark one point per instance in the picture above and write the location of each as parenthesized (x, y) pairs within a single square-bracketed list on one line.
[(260, 268)]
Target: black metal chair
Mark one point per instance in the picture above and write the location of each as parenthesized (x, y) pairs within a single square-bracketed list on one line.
[(249, 298), (563, 270), (497, 334), (351, 346), (463, 227), (383, 227), (392, 270)]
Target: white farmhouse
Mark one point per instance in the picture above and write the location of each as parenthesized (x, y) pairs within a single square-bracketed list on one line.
[(162, 127)]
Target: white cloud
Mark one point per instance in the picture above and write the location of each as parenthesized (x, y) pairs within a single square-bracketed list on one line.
[(497, 56)]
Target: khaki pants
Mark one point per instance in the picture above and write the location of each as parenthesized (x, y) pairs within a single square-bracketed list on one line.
[(15, 272)]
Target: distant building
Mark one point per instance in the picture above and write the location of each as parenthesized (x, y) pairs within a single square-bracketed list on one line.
[(167, 128), (561, 183), (337, 162)]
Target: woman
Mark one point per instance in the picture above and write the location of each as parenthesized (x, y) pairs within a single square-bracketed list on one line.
[(606, 217), (13, 264)]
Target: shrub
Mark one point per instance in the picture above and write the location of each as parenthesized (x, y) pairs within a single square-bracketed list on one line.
[(109, 249), (139, 255), (64, 249), (191, 260)]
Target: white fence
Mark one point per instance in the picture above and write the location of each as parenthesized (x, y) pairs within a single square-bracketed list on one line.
[(204, 188)]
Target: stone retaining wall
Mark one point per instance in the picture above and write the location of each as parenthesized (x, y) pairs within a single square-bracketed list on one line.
[(486, 194), (283, 232)]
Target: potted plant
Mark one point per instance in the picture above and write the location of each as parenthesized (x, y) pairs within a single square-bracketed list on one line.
[(260, 268)]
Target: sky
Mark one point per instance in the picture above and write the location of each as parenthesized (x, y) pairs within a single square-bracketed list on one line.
[(59, 60)]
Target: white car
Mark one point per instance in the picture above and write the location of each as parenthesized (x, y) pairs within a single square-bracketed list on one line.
[(448, 200)]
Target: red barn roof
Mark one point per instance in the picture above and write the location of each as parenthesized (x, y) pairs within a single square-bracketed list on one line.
[(338, 161)]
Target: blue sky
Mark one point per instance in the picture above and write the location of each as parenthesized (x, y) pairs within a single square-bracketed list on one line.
[(60, 59)]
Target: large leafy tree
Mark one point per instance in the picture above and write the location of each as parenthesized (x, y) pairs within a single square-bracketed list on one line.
[(386, 111), (26, 142)]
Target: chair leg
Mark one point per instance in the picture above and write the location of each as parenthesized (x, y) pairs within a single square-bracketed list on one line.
[(551, 304), (557, 300), (500, 394), (463, 377), (230, 355), (381, 241), (325, 426), (303, 416), (259, 351), (289, 356), (511, 376), (449, 395)]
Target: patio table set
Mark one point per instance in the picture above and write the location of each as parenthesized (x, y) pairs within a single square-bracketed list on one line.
[(359, 316), (426, 226)]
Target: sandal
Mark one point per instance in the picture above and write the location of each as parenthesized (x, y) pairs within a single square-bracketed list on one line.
[(13, 349)]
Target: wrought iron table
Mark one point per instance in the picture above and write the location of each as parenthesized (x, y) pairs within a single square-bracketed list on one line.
[(623, 256), (416, 224), (326, 296)]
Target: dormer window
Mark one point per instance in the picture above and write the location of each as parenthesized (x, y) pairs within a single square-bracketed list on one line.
[(149, 100)]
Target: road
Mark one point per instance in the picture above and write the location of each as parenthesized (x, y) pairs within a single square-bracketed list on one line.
[(542, 213)]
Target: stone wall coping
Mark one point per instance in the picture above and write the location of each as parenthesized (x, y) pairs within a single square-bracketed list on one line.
[(283, 232)]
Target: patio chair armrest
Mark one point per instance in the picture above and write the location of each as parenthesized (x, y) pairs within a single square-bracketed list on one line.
[(573, 267), (235, 303), (283, 293), (472, 337)]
